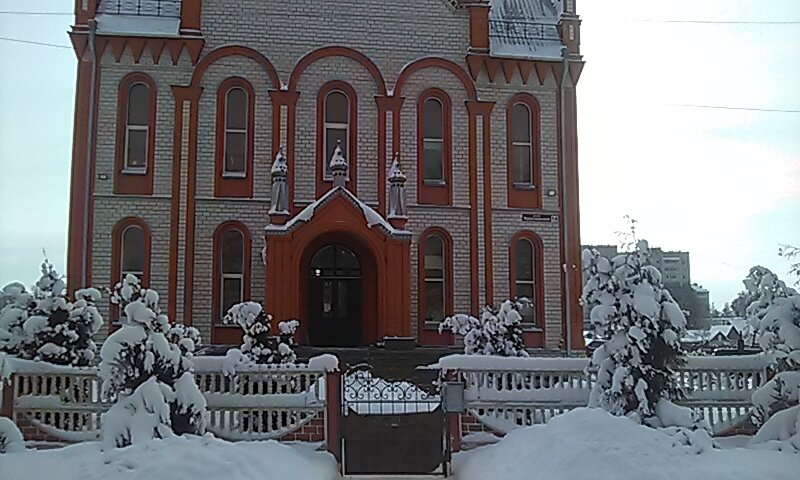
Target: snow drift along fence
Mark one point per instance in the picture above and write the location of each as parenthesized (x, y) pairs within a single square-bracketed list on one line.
[(265, 402), (506, 393)]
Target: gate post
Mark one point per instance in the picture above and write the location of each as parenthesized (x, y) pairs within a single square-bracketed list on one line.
[(333, 412), (454, 419), (8, 397)]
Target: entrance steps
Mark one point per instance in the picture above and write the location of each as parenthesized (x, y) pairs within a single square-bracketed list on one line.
[(395, 477)]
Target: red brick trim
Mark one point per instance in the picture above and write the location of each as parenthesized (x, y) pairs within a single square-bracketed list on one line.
[(231, 51), (435, 194), (521, 197), (435, 62), (427, 336), (324, 185), (474, 108), (116, 256), (221, 334), (233, 186), (134, 184), (191, 188), (532, 339), (336, 51)]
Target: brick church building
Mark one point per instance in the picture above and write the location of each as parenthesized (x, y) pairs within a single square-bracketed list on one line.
[(365, 166)]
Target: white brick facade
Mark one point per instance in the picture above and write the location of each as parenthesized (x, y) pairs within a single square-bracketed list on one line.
[(391, 34)]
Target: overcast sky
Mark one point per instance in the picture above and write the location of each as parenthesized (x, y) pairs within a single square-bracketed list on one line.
[(723, 184)]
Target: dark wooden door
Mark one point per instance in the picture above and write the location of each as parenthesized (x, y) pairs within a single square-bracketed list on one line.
[(335, 298)]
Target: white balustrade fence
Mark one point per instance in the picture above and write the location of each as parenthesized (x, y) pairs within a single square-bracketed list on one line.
[(261, 402), (508, 393)]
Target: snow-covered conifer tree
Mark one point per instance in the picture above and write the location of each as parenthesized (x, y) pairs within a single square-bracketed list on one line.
[(775, 316), (150, 377), (258, 345), (642, 325), (45, 325), (497, 332)]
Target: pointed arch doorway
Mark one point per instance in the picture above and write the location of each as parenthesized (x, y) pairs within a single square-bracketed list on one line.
[(335, 297)]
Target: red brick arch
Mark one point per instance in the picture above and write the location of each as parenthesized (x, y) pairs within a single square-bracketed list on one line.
[(532, 339), (435, 62), (223, 334), (116, 256), (336, 51), (235, 51)]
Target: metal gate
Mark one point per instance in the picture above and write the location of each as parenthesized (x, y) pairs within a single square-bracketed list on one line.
[(392, 427)]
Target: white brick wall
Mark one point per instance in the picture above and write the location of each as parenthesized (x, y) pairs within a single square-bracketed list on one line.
[(392, 33)]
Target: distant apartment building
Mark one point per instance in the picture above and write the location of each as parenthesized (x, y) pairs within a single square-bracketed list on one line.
[(676, 273)]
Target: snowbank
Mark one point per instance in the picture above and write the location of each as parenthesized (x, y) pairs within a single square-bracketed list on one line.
[(177, 458), (590, 443)]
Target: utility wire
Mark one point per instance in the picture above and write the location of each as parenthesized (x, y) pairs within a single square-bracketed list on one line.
[(31, 42), (726, 107), (717, 22)]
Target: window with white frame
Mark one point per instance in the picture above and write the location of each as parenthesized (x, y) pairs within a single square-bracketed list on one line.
[(525, 283), (231, 270), (433, 142), (137, 128), (521, 145), (236, 114), (337, 127), (434, 266)]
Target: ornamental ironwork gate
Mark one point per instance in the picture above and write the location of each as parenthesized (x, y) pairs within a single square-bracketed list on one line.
[(392, 427)]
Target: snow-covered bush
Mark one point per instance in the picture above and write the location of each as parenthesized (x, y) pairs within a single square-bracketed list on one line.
[(258, 346), (10, 437), (149, 375), (642, 325), (497, 332), (44, 325)]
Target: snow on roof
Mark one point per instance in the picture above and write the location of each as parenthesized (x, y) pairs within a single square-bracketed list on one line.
[(525, 29), (113, 24), (372, 217)]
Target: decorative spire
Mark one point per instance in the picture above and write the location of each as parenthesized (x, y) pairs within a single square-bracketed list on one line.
[(279, 209), (339, 167), (398, 214)]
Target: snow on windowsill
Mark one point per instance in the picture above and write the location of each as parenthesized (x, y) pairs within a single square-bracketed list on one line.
[(134, 171), (234, 175)]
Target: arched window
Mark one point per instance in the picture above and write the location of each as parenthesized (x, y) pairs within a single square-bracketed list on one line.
[(130, 254), (337, 115), (235, 139), (435, 277), (135, 137), (522, 148), (524, 171), (137, 128), (525, 283), (433, 143), (337, 119), (232, 270), (526, 275), (235, 133), (434, 148), (133, 252), (231, 267)]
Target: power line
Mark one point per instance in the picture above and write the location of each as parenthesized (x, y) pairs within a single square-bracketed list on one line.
[(31, 42), (725, 107), (716, 22)]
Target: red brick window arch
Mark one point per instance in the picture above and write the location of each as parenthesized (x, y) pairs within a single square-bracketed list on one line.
[(231, 267), (526, 279), (523, 126), (434, 148), (235, 138), (435, 276), (337, 125), (130, 254), (136, 123)]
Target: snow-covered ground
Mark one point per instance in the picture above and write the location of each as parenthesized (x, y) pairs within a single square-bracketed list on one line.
[(178, 458), (590, 443)]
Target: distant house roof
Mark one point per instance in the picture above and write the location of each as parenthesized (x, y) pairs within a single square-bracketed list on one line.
[(525, 29)]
